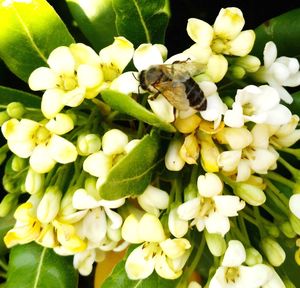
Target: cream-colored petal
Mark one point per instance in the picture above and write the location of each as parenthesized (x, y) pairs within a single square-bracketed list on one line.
[(61, 150), (200, 31), (162, 108), (127, 83), (174, 248), (130, 230), (242, 44), (40, 160), (164, 269), (84, 54), (42, 78), (177, 226), (209, 185), (52, 102), (61, 124), (145, 56), (189, 210), (98, 164), (150, 229), (235, 254), (270, 54), (82, 200), (74, 97), (216, 67), (228, 205), (115, 219), (62, 61), (89, 76)]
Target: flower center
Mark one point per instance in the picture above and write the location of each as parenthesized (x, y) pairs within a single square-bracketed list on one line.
[(207, 206), (219, 45), (248, 109), (67, 82), (231, 274), (42, 135)]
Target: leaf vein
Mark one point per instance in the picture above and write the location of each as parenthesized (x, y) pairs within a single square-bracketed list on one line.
[(142, 21), (39, 269)]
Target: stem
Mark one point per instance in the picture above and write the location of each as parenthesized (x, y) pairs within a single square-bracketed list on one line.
[(292, 151), (295, 172), (280, 179), (258, 218), (3, 265), (244, 231)]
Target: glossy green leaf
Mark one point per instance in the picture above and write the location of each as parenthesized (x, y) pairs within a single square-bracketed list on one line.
[(29, 32), (96, 19), (125, 104), (284, 30), (141, 21), (119, 279), (295, 106), (8, 95), (132, 174), (6, 223), (34, 266)]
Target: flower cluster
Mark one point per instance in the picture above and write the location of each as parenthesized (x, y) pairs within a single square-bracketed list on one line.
[(203, 188)]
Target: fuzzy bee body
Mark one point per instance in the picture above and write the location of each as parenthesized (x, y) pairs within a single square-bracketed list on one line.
[(175, 83)]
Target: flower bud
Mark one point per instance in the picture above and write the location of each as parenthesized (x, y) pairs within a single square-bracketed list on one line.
[(272, 230), (88, 144), (253, 257), (114, 142), (18, 163), (189, 151), (3, 117), (187, 125), (190, 192), (15, 110), (8, 203), (273, 251), (49, 205), (98, 164), (249, 62), (288, 283), (238, 72), (216, 243), (61, 124), (295, 222), (177, 226), (2, 156), (10, 185), (287, 230), (173, 161), (209, 185), (250, 194), (34, 182)]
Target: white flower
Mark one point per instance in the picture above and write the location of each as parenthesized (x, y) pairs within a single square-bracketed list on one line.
[(278, 72), (259, 105), (232, 273), (74, 73), (29, 139), (294, 204)]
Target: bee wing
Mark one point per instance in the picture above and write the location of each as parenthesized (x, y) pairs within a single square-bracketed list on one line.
[(175, 93)]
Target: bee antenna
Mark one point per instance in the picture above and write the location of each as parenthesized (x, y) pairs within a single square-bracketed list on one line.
[(138, 81)]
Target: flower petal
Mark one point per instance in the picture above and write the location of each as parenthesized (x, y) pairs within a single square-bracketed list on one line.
[(235, 254), (270, 54), (40, 160), (42, 78), (61, 60), (52, 102), (200, 31), (146, 55), (228, 205)]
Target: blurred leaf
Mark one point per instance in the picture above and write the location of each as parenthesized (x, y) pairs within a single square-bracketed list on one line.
[(119, 279), (132, 174), (295, 106), (284, 30), (141, 21), (124, 103), (96, 19), (8, 95), (29, 32), (32, 265), (6, 223)]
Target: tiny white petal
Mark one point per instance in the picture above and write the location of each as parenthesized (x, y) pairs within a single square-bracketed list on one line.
[(228, 205), (270, 54), (40, 160), (146, 55), (235, 254), (61, 60), (217, 223), (189, 209), (42, 78)]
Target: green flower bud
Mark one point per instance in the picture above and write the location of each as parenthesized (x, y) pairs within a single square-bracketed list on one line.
[(250, 63), (18, 164), (253, 257), (288, 283), (10, 185), (272, 230), (216, 243), (88, 144), (238, 72), (250, 194), (8, 203), (287, 230), (34, 182), (190, 192), (295, 222), (2, 157), (273, 251), (15, 110), (3, 117)]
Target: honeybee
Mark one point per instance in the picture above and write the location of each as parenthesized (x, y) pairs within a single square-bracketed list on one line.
[(174, 81)]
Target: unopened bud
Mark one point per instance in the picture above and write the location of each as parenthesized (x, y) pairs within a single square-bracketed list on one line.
[(15, 110), (114, 142), (2, 157), (250, 194), (288, 283), (273, 251), (10, 185), (253, 257), (216, 243), (49, 205), (173, 161), (88, 144), (190, 192), (3, 117), (34, 182), (272, 230), (288, 230), (295, 222), (238, 72), (8, 203), (187, 125), (17, 163), (249, 62)]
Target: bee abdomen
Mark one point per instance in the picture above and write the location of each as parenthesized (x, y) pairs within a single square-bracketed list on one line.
[(195, 95)]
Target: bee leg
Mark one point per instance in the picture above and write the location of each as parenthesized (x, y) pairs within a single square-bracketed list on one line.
[(153, 96)]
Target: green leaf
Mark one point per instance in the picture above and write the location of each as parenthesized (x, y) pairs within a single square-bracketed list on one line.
[(284, 30), (32, 265), (141, 21), (6, 223), (29, 32), (295, 106), (8, 95), (125, 104), (119, 279), (132, 174), (96, 19)]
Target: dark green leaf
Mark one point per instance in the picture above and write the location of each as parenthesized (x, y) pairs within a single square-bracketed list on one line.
[(295, 106), (29, 32), (32, 265), (6, 223), (119, 279), (125, 104), (284, 30), (132, 174), (8, 95), (141, 21), (96, 19)]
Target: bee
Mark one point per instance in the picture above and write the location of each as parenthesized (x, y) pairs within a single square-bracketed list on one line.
[(174, 81)]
